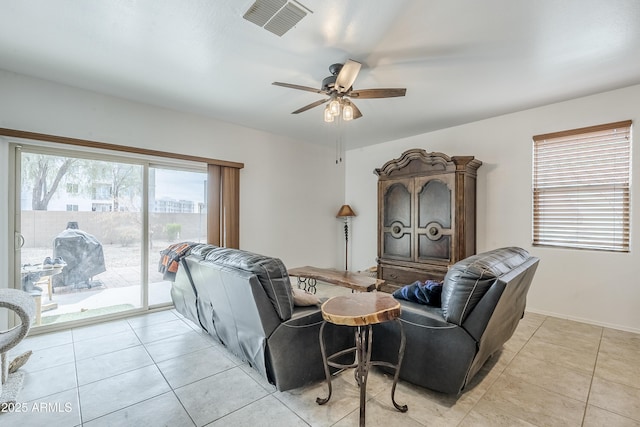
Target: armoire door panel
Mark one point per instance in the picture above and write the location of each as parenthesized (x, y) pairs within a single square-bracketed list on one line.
[(434, 249), (397, 227), (434, 203), (397, 204), (397, 247)]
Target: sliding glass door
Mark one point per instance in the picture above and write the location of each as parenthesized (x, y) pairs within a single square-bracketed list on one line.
[(92, 227), (177, 213)]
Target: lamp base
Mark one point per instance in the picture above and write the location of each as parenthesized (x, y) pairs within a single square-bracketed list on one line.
[(346, 244)]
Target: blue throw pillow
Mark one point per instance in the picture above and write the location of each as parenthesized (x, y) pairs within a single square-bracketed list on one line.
[(428, 293)]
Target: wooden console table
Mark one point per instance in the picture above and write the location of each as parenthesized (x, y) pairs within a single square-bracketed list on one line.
[(307, 277)]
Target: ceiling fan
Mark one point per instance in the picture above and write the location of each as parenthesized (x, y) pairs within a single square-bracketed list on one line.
[(339, 89)]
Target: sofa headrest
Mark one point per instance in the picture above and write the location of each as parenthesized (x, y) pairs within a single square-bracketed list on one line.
[(468, 280), (202, 250), (271, 273)]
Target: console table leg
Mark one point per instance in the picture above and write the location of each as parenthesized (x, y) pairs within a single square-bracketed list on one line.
[(308, 284), (312, 285)]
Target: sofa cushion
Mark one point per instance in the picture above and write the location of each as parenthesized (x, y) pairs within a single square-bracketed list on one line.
[(271, 273), (302, 298), (468, 280)]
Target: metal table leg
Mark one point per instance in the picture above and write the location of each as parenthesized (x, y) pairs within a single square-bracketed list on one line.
[(364, 340), (319, 400), (401, 408), (362, 363)]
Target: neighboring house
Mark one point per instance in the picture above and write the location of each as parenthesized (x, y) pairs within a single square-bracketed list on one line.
[(171, 205), (69, 198)]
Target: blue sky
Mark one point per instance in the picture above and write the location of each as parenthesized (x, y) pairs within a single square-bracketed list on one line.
[(180, 185)]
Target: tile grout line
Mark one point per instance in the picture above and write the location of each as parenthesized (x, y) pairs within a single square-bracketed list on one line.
[(173, 390), (75, 367), (608, 380), (135, 403), (503, 372), (593, 374), (110, 352), (249, 404)]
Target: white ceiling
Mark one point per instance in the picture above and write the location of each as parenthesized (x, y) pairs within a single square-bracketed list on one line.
[(460, 60)]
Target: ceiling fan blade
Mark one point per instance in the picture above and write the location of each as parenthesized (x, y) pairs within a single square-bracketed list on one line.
[(310, 106), (377, 93), (356, 111), (347, 75), (292, 86)]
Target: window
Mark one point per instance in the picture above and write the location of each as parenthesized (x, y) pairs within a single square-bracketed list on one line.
[(72, 208), (581, 188), (102, 192), (72, 188), (101, 207)]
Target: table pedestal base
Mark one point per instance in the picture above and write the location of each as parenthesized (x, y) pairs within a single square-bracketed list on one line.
[(362, 362)]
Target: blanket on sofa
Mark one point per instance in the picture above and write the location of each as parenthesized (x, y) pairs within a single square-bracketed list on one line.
[(428, 292), (170, 259)]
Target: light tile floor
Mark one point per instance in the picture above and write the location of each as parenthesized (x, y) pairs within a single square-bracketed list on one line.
[(160, 370)]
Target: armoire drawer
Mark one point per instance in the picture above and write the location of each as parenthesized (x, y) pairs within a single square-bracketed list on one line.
[(401, 276)]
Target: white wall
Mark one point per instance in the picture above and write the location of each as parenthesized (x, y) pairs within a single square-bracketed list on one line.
[(289, 189), (596, 287)]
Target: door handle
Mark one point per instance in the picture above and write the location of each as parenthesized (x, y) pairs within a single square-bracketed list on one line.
[(19, 241)]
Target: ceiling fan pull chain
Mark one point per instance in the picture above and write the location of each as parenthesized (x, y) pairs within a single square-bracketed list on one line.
[(339, 141)]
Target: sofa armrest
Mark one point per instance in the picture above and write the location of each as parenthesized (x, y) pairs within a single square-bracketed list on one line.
[(437, 353), (504, 303), (293, 356)]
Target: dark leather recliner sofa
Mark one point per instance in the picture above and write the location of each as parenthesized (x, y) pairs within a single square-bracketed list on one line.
[(244, 300), (483, 299)]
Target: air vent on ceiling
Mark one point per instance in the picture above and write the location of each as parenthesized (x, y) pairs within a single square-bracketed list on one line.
[(276, 16)]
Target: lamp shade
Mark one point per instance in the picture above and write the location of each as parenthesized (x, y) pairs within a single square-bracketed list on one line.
[(347, 112), (328, 117), (334, 107), (345, 211)]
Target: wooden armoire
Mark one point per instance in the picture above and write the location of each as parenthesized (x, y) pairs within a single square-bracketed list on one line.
[(426, 215)]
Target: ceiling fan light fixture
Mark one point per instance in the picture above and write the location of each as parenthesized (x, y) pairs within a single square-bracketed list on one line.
[(328, 117), (339, 89), (334, 107), (347, 112)]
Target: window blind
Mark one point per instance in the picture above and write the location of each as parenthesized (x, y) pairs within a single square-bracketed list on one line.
[(581, 188)]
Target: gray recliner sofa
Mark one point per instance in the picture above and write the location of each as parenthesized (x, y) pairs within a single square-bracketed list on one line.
[(483, 299), (244, 300)]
